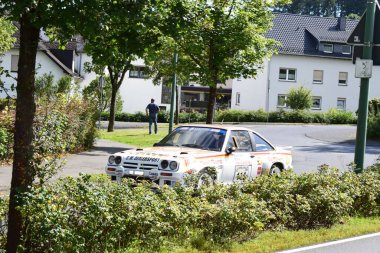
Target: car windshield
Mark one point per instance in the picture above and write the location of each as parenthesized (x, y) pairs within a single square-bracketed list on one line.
[(195, 137)]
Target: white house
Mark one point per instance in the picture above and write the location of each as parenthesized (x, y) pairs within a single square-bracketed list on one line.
[(313, 54)]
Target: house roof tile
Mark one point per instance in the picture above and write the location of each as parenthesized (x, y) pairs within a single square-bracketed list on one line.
[(300, 34)]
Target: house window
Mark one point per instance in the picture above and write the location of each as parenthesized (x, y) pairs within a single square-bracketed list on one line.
[(281, 101), (343, 78), (318, 76), (328, 48), (137, 72), (341, 104), (287, 74), (237, 98), (14, 63), (317, 103), (346, 49)]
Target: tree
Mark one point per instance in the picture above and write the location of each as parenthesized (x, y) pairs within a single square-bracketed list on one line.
[(123, 37), (92, 93), (219, 40), (299, 98), (324, 8), (32, 16)]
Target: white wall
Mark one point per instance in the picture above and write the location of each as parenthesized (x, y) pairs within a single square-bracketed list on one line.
[(252, 91), (135, 92), (44, 65)]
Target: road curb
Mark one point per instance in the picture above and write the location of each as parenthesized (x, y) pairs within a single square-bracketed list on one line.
[(366, 243)]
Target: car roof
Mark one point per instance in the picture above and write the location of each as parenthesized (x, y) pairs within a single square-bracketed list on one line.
[(218, 126)]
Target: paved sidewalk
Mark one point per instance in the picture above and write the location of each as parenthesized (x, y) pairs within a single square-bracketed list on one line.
[(90, 162)]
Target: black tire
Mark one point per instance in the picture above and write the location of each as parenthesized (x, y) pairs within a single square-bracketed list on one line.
[(275, 169), (205, 179)]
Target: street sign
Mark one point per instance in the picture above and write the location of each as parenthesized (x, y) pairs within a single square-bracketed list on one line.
[(363, 68)]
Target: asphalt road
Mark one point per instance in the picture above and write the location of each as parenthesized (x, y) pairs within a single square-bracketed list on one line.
[(312, 145)]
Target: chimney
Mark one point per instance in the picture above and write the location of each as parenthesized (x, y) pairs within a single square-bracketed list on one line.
[(341, 23)]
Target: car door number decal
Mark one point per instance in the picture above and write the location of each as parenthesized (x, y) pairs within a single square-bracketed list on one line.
[(241, 171)]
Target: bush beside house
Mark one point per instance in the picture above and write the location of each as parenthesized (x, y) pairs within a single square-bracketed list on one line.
[(333, 116)]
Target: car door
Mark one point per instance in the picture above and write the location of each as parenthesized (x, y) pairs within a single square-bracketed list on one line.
[(262, 151), (241, 162)]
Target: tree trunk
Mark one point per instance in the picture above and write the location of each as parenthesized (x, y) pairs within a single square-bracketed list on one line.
[(22, 174), (211, 105), (111, 120)]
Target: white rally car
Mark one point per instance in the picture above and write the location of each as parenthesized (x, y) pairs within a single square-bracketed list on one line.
[(228, 151)]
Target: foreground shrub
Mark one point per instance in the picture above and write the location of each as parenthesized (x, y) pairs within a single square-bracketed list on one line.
[(96, 215), (305, 201)]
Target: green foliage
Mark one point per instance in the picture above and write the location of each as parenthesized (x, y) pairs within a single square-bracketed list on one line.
[(215, 41), (335, 116), (7, 116), (374, 106), (350, 8), (93, 214), (299, 98), (47, 88), (374, 126), (4, 137), (332, 116), (6, 31), (61, 125), (92, 94), (373, 118)]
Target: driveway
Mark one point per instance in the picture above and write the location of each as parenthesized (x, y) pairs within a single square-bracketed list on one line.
[(90, 162)]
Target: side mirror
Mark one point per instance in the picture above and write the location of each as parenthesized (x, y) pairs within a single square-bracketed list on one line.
[(229, 150)]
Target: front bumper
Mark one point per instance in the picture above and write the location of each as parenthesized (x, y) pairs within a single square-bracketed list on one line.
[(161, 177)]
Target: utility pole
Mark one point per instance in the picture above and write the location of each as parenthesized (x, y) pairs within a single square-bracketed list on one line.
[(172, 99), (100, 86), (361, 130)]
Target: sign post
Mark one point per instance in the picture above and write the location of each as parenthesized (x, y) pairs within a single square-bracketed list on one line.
[(363, 70), (172, 100)]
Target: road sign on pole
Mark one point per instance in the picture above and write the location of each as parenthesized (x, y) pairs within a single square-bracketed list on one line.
[(361, 130)]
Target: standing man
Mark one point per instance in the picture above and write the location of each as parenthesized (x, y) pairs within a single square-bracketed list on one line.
[(152, 111)]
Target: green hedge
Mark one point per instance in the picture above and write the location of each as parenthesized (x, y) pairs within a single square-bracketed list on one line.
[(333, 116), (60, 125), (96, 215), (374, 118)]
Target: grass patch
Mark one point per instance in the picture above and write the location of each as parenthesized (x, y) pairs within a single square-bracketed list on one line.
[(136, 137), (276, 241)]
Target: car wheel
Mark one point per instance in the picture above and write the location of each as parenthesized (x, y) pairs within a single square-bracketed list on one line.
[(205, 179), (275, 169)]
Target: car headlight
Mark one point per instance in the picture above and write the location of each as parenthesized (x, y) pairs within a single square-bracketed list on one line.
[(164, 164), (111, 159), (118, 159), (173, 165)]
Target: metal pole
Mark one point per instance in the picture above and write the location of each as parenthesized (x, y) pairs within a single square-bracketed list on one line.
[(101, 82), (172, 100), (361, 130)]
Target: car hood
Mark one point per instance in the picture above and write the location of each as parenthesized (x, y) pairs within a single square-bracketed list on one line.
[(168, 152)]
